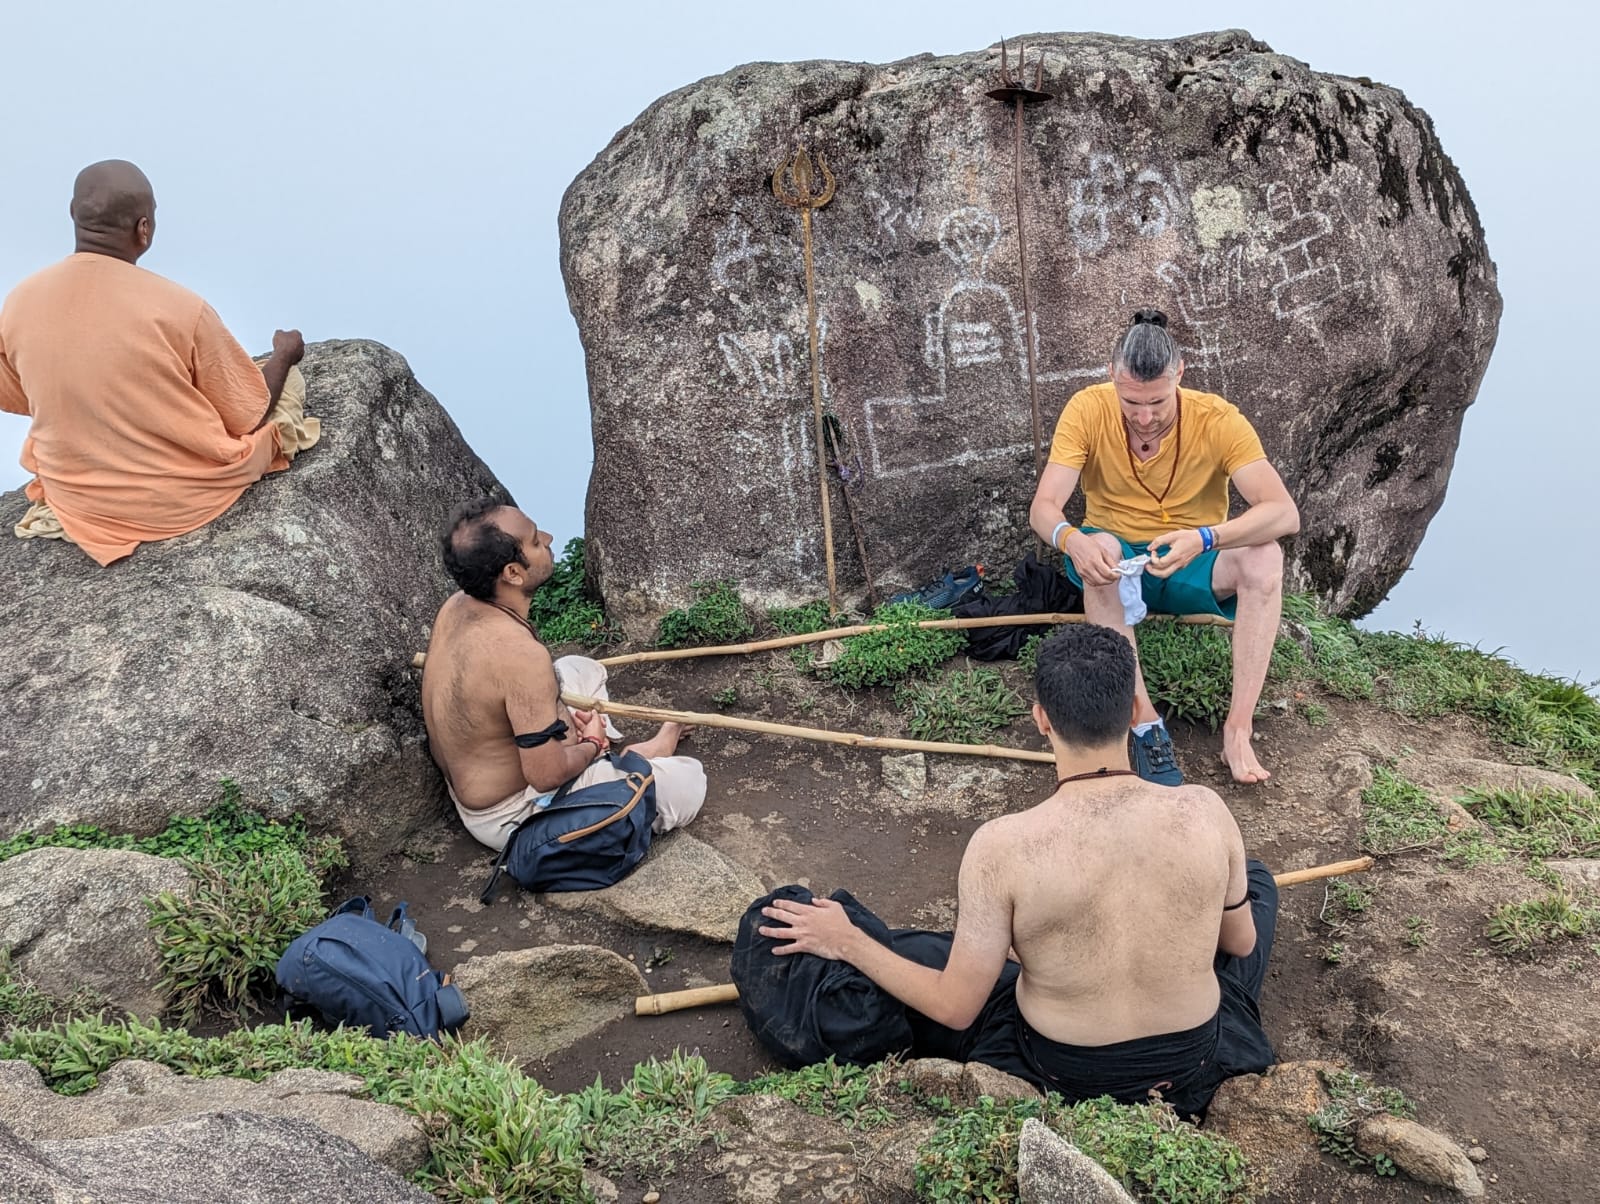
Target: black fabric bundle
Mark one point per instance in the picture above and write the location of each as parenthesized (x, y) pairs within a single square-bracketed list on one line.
[(1042, 588)]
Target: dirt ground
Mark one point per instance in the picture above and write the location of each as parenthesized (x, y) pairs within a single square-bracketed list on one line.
[(1498, 1052)]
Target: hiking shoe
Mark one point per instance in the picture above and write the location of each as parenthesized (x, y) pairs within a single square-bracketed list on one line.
[(950, 590), (1153, 757)]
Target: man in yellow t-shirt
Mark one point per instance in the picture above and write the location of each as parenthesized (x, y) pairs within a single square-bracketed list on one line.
[(147, 418), (1154, 462)]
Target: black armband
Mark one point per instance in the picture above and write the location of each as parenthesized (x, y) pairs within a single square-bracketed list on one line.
[(555, 731), (1238, 905)]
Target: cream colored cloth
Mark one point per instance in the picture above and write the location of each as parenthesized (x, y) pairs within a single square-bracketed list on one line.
[(296, 432), (680, 781)]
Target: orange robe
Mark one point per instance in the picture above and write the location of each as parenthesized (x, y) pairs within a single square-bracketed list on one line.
[(143, 404)]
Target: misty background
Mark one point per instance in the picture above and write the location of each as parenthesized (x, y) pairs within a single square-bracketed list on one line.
[(393, 172)]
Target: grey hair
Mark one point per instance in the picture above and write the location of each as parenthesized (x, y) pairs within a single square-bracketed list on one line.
[(1146, 351)]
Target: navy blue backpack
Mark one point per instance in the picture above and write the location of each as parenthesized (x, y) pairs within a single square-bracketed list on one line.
[(583, 839), (356, 970)]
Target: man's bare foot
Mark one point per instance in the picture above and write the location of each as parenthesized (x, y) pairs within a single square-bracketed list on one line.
[(1240, 757), (664, 743)]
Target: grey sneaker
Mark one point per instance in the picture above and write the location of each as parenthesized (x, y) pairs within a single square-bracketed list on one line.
[(1153, 757)]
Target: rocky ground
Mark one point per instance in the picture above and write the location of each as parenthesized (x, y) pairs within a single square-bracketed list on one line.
[(1495, 1052)]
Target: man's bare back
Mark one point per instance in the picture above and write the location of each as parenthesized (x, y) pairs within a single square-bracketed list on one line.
[(1116, 895), (477, 659)]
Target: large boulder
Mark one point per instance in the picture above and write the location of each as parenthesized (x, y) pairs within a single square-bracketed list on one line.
[(221, 1158), (1317, 251), (271, 646), (135, 1094), (77, 919)]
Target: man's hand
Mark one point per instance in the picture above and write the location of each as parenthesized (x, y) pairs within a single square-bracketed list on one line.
[(592, 723), (819, 927), (288, 346), (1094, 562), (1180, 547)]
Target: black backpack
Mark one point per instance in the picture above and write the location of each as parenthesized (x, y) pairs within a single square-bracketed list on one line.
[(356, 970), (583, 839)]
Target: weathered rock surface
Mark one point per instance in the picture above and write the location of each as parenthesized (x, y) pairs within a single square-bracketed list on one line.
[(1426, 1156), (1317, 251), (271, 646), (1050, 1170), (682, 885), (76, 918), (134, 1095), (221, 1158), (906, 774), (777, 1153), (1447, 776), (1265, 1116), (1580, 873), (963, 1082), (533, 1002)]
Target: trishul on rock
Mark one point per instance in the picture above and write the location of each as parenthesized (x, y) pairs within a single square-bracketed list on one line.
[(1016, 91), (795, 184)]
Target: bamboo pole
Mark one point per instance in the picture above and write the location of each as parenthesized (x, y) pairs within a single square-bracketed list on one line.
[(701, 719), (674, 1001), (839, 633)]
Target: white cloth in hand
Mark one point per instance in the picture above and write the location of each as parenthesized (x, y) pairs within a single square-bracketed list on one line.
[(1131, 589)]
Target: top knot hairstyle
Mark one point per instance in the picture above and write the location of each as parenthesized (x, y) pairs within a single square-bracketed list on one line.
[(1146, 351)]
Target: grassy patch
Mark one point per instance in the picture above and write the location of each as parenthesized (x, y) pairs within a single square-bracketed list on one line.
[(716, 616), (1353, 1099), (1541, 823), (23, 1004), (564, 612), (1351, 898), (801, 620), (972, 1156), (843, 1092), (1399, 815), (1520, 929), (963, 707), (1028, 655), (655, 1120), (879, 658), (256, 885), (1188, 670)]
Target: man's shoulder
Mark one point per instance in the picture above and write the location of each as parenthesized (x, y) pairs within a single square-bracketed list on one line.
[(1094, 397), (474, 630), (1211, 406)]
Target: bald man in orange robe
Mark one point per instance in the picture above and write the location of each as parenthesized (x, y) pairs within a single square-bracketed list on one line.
[(148, 418)]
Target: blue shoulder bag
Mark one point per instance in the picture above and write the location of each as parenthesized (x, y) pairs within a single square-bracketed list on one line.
[(356, 970), (583, 839)]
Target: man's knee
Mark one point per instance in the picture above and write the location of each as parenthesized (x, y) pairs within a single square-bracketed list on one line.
[(1260, 569), (680, 791)]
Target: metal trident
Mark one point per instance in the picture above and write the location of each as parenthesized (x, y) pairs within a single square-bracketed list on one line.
[(794, 184), (1017, 92)]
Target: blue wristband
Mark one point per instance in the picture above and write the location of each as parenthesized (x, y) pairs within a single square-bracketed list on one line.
[(1208, 539)]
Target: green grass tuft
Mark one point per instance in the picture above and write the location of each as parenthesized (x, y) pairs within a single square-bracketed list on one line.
[(716, 616), (1353, 1099), (1399, 815), (962, 707), (972, 1156), (841, 1091), (564, 612), (1517, 929), (879, 658), (1541, 823)]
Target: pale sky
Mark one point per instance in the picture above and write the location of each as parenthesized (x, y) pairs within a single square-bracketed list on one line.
[(393, 172)]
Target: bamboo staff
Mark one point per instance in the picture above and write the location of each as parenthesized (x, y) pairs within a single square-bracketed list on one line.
[(839, 633), (701, 719), (677, 1001)]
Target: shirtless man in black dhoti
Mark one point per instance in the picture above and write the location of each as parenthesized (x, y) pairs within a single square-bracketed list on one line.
[(1140, 934)]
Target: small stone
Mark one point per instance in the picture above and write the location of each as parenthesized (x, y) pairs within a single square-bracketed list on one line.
[(1426, 1156), (1477, 1153), (650, 1197), (906, 774), (1052, 1169)]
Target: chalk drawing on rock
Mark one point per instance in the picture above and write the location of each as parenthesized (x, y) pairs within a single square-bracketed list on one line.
[(1105, 201), (737, 249), (1205, 297), (973, 342), (1309, 276), (896, 217)]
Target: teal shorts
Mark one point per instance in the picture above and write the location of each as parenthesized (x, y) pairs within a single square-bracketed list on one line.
[(1186, 592)]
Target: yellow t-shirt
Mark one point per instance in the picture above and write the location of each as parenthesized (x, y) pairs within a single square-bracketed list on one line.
[(1216, 441)]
